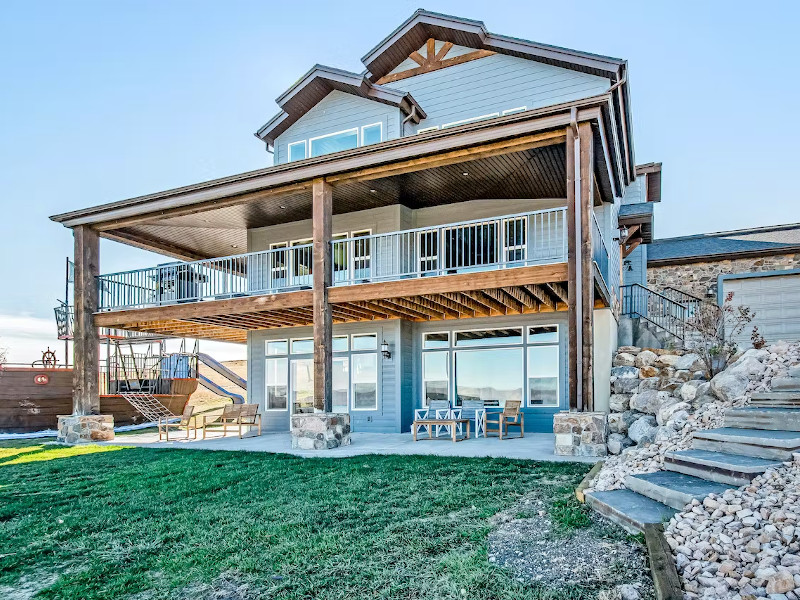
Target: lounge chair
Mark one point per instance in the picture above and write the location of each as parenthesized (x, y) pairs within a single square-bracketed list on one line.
[(474, 410), (188, 419), (511, 416), (236, 416), (436, 409)]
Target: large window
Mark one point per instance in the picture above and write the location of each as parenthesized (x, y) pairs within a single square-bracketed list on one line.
[(371, 134), (341, 383), (365, 381), (493, 375), (297, 151), (334, 142), (543, 366), (277, 389), (435, 377)]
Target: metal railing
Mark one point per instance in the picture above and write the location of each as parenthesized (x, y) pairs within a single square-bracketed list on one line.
[(254, 273), (523, 239), (638, 301), (600, 254), (65, 324), (691, 301)]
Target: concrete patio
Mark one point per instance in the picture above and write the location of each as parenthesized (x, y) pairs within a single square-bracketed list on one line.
[(534, 446)]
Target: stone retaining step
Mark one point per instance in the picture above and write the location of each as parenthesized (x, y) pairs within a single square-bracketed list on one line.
[(673, 489), (777, 445), (763, 417), (733, 469), (785, 397), (630, 510), (785, 384)]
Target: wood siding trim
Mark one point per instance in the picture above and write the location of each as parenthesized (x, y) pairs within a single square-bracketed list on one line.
[(430, 66), (322, 277)]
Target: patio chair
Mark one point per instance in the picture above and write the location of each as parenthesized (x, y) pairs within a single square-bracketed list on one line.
[(511, 416), (188, 419), (249, 417), (230, 414), (436, 409), (474, 410)]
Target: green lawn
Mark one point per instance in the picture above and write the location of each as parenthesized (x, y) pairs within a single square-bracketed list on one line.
[(109, 522)]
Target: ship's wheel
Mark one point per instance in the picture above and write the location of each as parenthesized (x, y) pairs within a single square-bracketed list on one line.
[(49, 358)]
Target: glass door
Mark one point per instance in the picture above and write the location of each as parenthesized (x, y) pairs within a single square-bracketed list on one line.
[(302, 373)]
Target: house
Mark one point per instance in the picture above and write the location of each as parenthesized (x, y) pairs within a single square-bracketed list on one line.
[(448, 223), (760, 265)]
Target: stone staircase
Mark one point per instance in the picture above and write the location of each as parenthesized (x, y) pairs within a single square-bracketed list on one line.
[(753, 439)]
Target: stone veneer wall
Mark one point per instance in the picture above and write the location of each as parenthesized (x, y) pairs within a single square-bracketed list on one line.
[(697, 277)]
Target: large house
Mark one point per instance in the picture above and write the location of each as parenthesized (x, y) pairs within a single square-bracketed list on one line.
[(449, 223)]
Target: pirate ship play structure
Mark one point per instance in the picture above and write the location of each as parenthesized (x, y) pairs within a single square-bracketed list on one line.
[(140, 379)]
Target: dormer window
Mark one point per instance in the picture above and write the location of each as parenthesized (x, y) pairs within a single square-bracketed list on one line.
[(371, 134), (297, 150), (334, 142)]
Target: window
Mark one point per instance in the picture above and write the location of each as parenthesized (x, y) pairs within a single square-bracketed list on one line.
[(361, 253), (302, 258), (340, 383), (365, 341), (340, 343), (302, 385), (427, 129), (365, 380), (371, 134), (493, 375), (275, 378), (277, 347), (543, 367), (489, 337), (297, 151), (334, 142), (428, 251), (303, 346), (436, 340), (512, 111), (279, 268), (515, 239), (435, 377)]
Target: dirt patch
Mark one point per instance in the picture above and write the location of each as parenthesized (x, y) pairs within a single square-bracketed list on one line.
[(28, 586)]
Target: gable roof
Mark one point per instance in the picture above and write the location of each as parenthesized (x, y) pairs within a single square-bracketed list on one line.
[(775, 239), (318, 83)]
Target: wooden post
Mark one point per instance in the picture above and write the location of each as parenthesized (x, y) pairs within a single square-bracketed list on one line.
[(322, 273), (580, 273), (86, 340), (587, 186)]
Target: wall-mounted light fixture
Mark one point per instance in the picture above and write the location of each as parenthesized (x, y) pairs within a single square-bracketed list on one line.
[(623, 232), (385, 350)]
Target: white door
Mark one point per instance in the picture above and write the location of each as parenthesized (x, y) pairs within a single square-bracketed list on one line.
[(776, 302)]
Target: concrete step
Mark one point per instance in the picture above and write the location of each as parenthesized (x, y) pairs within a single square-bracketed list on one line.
[(778, 445), (673, 489), (789, 398), (785, 384), (732, 469), (630, 510), (764, 417)]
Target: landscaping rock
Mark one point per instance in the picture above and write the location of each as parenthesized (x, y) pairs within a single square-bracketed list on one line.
[(617, 442), (689, 362), (619, 402), (668, 409), (649, 401), (624, 385), (648, 371), (643, 430), (623, 359), (645, 358), (624, 371), (728, 386), (666, 360), (651, 383)]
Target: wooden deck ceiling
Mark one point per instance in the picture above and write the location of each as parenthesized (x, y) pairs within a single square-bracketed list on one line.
[(521, 290)]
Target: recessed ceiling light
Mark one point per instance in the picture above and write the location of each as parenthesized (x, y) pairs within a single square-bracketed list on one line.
[(373, 191), (282, 207), (234, 245), (465, 173)]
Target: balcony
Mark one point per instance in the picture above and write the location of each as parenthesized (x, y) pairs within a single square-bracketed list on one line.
[(506, 242)]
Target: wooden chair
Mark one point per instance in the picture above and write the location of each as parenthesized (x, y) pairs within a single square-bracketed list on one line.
[(249, 417), (474, 410), (436, 409), (511, 416), (188, 419), (230, 414)]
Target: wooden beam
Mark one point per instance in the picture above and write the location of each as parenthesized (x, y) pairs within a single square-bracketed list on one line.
[(520, 296), (573, 250), (86, 340), (538, 292), (587, 187), (468, 303), (446, 47), (627, 249), (433, 65), (517, 144), (322, 211)]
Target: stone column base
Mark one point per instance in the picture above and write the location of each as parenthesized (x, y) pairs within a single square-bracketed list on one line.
[(580, 433), (320, 431), (84, 429)]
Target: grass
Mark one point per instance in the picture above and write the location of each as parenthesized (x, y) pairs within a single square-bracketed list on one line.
[(110, 522)]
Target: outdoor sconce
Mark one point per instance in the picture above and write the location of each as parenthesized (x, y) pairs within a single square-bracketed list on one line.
[(623, 232), (385, 350)]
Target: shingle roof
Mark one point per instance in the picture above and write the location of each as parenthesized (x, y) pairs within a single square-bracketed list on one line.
[(758, 240)]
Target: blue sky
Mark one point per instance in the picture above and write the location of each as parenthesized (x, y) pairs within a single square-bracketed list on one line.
[(101, 101)]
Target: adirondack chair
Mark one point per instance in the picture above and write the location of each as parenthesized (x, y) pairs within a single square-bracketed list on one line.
[(188, 419), (474, 410), (436, 409), (511, 416)]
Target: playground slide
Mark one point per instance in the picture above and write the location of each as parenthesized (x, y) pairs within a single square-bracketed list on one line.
[(222, 370), (217, 389)]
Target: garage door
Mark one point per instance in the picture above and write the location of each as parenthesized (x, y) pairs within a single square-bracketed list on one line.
[(776, 302)]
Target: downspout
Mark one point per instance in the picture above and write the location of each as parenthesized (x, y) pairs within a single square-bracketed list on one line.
[(410, 116)]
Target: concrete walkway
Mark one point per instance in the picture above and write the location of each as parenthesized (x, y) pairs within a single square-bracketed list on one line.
[(534, 446)]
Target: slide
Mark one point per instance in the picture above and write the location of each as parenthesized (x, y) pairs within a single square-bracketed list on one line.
[(222, 370), (217, 389)]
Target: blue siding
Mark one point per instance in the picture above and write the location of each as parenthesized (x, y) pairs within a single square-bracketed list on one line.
[(338, 111), (634, 268)]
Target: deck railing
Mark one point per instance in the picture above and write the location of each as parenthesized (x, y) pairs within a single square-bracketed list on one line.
[(530, 238), (254, 273)]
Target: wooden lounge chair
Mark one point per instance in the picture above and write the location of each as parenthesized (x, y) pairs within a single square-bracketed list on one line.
[(511, 416), (249, 417), (436, 409), (188, 419), (235, 416)]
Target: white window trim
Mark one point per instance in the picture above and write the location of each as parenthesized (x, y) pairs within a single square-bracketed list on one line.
[(557, 345), (267, 342), (327, 135), (363, 127), (427, 129), (521, 341), (374, 354), (289, 150), (288, 383), (449, 340), (300, 339), (447, 352), (470, 120), (518, 109), (370, 334)]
